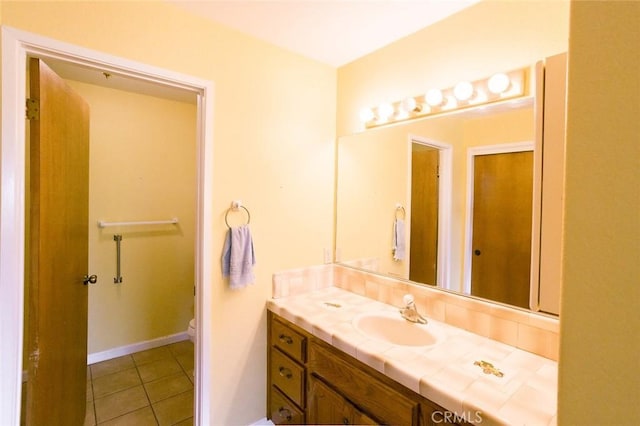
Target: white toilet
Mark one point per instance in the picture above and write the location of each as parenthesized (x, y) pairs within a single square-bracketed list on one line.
[(191, 331)]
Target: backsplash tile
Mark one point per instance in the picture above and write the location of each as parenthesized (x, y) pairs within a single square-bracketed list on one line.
[(302, 280), (531, 332)]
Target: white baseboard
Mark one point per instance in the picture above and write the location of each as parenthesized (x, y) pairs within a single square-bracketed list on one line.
[(135, 347)]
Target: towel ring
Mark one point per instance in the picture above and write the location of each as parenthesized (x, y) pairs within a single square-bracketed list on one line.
[(404, 213), (236, 208)]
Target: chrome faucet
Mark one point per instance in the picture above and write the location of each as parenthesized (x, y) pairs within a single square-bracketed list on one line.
[(409, 312)]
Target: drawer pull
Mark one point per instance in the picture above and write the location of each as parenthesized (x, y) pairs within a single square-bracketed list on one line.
[(345, 421), (285, 414), (285, 339), (285, 372)]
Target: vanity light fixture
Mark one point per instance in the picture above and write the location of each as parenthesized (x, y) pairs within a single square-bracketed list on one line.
[(385, 112), (410, 105), (498, 83), (434, 97), (463, 91), (450, 103), (366, 114), (465, 94)]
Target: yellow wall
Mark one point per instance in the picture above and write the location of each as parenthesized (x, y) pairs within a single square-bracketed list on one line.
[(274, 132), (599, 370), (142, 167), (488, 37)]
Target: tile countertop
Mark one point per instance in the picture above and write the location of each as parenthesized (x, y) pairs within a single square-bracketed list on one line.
[(445, 372)]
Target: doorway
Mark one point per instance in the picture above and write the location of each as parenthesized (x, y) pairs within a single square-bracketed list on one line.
[(141, 168), (500, 223), (17, 46)]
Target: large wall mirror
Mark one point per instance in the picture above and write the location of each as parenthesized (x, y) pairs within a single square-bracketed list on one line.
[(446, 201)]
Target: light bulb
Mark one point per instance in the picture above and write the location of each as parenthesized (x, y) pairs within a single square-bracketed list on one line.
[(434, 97), (463, 91), (409, 105), (498, 83), (385, 110), (366, 114)]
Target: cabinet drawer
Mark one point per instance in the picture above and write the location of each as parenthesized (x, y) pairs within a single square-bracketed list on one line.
[(288, 340), (287, 376), (282, 411), (370, 394)]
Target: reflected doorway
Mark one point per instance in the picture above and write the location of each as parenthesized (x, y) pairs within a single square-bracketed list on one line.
[(501, 226), (425, 164), (429, 192)]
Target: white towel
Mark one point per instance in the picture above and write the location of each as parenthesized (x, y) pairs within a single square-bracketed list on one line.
[(238, 257), (398, 240)]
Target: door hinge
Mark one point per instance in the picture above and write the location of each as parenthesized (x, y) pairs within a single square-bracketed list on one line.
[(33, 109)]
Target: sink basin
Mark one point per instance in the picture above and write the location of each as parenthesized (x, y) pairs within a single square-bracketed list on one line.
[(390, 327)]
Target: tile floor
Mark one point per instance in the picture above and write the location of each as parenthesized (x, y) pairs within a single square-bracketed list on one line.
[(152, 387)]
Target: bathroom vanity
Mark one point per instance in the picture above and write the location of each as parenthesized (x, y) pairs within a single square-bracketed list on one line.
[(323, 369), (312, 382)]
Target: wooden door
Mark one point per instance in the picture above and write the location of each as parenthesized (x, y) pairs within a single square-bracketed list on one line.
[(58, 252), (502, 213), (423, 262)]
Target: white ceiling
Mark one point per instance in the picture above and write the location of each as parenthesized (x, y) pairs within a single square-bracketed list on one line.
[(334, 32)]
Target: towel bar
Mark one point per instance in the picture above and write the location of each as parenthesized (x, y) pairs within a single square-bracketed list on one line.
[(104, 224), (236, 205), (118, 278)]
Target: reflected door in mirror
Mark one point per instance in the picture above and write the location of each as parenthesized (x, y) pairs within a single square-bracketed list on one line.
[(501, 239), (424, 214)]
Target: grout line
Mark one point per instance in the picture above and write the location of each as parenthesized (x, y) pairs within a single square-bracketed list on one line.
[(93, 397), (174, 356), (153, 411)]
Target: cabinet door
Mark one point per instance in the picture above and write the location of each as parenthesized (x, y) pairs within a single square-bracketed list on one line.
[(327, 407)]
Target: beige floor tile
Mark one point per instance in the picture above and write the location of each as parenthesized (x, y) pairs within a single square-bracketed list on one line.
[(115, 382), (90, 415), (151, 355), (168, 386), (182, 347), (111, 366), (141, 417), (119, 403), (187, 422), (157, 369), (186, 361), (175, 409)]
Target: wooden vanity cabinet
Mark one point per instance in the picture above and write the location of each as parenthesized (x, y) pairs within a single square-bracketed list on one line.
[(311, 382)]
